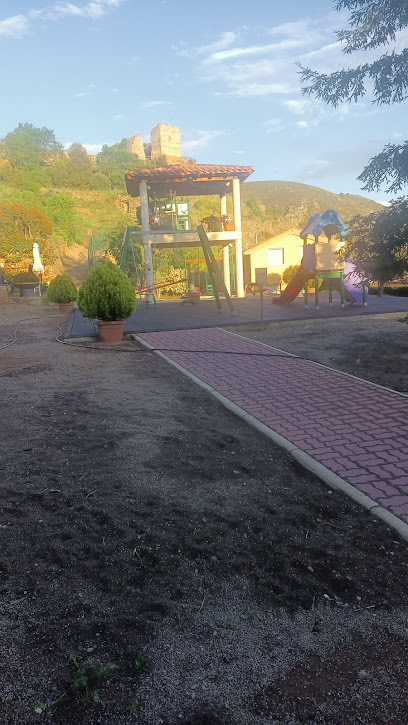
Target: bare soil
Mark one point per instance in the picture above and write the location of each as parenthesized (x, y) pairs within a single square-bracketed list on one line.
[(143, 525), (373, 347)]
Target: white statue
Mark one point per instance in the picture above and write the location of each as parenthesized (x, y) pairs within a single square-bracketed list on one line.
[(38, 265)]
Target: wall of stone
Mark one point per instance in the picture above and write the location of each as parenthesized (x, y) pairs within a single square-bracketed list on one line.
[(135, 145), (166, 141), (128, 204)]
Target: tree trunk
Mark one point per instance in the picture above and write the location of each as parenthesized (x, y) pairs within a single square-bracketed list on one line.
[(381, 290)]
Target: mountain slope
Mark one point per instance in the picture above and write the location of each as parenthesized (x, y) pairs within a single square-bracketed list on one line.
[(269, 207)]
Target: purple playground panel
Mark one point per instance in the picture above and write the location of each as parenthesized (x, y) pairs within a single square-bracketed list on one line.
[(353, 281)]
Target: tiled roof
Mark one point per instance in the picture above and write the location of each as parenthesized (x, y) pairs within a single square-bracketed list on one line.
[(191, 172)]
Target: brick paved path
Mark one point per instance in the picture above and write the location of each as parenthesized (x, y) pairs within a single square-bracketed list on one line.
[(356, 429)]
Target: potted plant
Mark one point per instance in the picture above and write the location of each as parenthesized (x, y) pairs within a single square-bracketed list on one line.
[(62, 289), (26, 283), (154, 221), (227, 221), (108, 296)]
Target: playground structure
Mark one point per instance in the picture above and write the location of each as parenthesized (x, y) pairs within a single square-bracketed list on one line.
[(164, 187), (323, 264), (192, 294)]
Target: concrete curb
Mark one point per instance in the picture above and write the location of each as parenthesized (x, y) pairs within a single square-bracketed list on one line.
[(324, 474)]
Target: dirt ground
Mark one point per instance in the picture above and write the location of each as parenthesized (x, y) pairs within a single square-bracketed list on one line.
[(372, 347), (162, 563)]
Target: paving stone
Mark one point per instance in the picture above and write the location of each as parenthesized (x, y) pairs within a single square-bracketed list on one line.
[(365, 447)]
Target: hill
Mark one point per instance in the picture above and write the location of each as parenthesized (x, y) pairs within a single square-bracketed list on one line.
[(270, 207)]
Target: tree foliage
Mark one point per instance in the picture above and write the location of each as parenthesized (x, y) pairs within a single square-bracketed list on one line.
[(61, 209), (114, 161), (378, 243), (372, 24), (62, 289), (74, 169), (106, 294), (20, 227), (27, 146)]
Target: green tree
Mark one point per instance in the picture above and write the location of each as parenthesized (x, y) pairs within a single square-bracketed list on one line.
[(100, 182), (114, 161), (28, 146), (378, 243), (74, 169), (19, 228), (61, 209), (372, 24), (290, 272)]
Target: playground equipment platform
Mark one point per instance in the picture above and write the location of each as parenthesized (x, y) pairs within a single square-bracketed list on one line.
[(171, 315)]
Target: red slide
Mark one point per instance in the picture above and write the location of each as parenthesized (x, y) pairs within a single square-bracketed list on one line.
[(292, 290)]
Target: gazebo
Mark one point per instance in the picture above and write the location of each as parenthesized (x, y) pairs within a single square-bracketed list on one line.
[(189, 179)]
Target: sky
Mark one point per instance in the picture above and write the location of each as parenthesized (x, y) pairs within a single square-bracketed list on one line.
[(222, 70)]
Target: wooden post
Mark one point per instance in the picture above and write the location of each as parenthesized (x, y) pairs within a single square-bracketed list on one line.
[(144, 208), (239, 264), (225, 249)]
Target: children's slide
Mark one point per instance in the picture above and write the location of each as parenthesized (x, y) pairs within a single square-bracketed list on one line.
[(349, 294), (292, 290)]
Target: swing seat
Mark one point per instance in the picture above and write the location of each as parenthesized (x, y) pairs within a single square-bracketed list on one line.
[(191, 297)]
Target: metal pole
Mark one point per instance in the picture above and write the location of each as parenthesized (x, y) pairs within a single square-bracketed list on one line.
[(262, 306)]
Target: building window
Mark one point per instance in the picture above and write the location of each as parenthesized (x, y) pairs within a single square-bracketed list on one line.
[(275, 257)]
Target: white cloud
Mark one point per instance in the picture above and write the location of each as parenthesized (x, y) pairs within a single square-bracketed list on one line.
[(224, 41), (93, 148), (226, 55), (253, 68), (118, 117), (155, 104), (316, 168), (198, 139), (18, 25), (261, 89), (296, 106), (94, 10), (302, 124), (14, 27), (274, 125)]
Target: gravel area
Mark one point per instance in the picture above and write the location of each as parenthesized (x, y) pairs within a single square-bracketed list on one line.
[(143, 525)]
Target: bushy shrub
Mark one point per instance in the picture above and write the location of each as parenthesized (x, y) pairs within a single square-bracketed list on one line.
[(106, 294), (401, 291), (290, 272), (99, 182), (62, 289), (24, 278), (274, 279)]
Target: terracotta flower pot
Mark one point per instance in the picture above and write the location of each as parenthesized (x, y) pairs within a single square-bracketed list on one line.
[(66, 307), (111, 332), (228, 227)]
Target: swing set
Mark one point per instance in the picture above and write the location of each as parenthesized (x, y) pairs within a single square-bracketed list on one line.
[(192, 295)]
